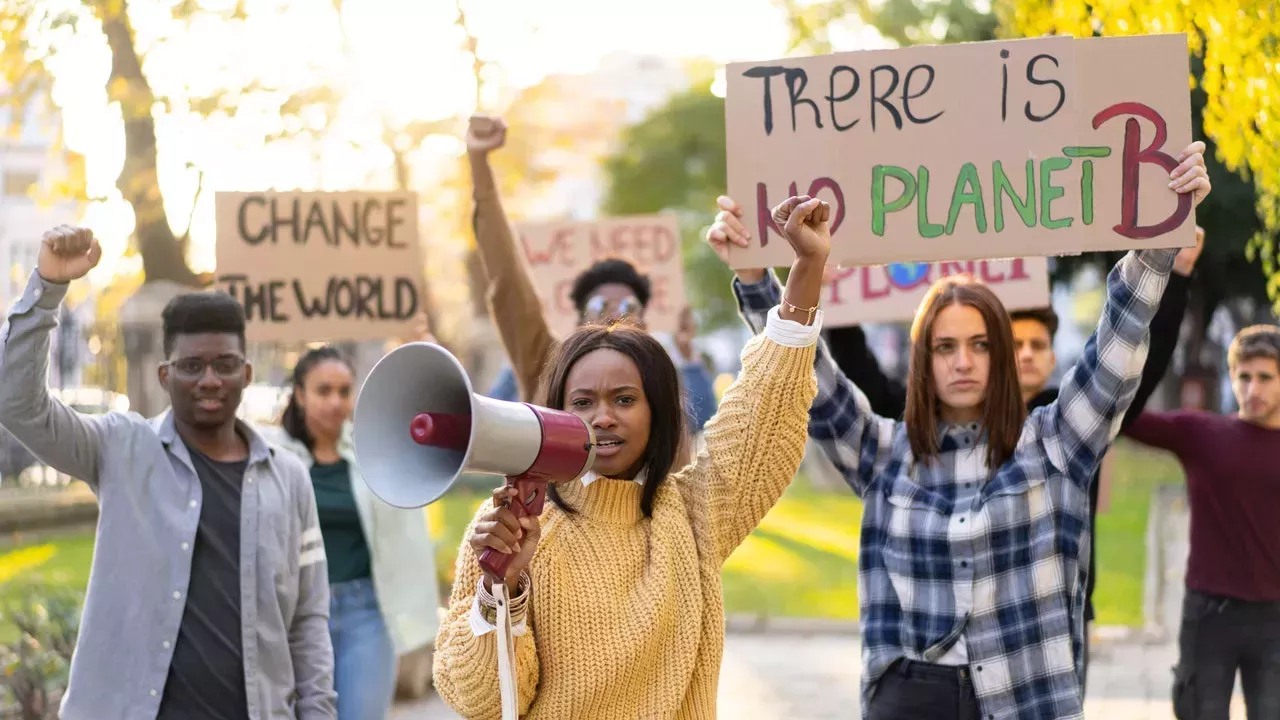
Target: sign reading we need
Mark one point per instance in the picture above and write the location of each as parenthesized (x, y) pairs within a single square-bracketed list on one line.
[(1005, 149), (321, 266), (557, 251)]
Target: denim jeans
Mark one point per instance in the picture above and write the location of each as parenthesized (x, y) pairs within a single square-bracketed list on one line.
[(364, 658), (1218, 637)]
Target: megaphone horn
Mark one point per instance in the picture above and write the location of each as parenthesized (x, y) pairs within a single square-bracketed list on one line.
[(418, 426)]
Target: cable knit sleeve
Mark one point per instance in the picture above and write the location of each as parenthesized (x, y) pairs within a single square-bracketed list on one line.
[(756, 440), (466, 664)]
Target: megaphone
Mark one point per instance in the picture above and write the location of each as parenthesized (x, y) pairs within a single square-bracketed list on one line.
[(418, 426)]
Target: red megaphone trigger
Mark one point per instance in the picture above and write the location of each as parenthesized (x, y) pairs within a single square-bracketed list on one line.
[(450, 431)]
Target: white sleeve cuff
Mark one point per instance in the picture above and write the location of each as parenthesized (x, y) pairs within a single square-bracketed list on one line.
[(480, 626), (790, 333)]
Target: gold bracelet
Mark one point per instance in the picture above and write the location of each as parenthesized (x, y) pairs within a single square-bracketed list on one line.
[(517, 599), (796, 308)]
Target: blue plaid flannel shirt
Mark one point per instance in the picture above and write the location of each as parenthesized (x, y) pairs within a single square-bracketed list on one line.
[(954, 558)]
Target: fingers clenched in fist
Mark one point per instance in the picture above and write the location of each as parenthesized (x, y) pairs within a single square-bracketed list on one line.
[(67, 253), (499, 529), (804, 223), (485, 134)]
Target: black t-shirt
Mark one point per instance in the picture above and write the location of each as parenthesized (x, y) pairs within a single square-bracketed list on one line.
[(206, 673)]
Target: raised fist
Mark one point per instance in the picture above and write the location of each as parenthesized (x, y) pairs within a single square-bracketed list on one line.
[(67, 253), (803, 221), (485, 134)]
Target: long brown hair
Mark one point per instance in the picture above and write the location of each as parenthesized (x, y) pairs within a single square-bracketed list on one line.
[(1003, 411)]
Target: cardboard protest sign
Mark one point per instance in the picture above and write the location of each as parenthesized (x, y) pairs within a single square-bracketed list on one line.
[(1018, 148), (321, 266), (557, 251), (891, 293)]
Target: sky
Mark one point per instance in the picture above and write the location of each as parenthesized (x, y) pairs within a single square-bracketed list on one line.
[(399, 59)]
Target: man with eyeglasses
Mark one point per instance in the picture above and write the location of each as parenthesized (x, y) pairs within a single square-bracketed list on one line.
[(208, 595), (608, 290)]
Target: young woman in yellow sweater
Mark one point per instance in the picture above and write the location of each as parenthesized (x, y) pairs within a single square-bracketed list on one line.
[(616, 602)]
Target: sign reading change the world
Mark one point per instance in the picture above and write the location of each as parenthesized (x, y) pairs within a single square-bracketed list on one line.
[(321, 266)]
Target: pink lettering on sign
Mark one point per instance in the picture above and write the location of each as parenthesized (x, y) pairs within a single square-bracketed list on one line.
[(869, 276), (893, 292), (643, 244), (837, 281), (660, 301), (563, 303), (764, 210), (558, 250)]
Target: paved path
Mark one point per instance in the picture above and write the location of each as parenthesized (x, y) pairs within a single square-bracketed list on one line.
[(775, 676)]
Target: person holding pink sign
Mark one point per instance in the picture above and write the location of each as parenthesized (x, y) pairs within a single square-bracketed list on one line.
[(610, 289), (974, 542), (1033, 335)]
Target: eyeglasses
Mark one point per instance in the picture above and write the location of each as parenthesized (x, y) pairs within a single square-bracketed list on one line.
[(227, 367), (599, 307)]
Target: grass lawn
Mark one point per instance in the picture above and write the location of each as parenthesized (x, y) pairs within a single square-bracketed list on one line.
[(1122, 531), (801, 561)]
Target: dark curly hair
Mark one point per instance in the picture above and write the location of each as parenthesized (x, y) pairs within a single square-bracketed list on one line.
[(605, 272), (199, 313)]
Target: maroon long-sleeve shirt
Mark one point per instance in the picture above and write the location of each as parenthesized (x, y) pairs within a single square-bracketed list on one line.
[(1233, 486)]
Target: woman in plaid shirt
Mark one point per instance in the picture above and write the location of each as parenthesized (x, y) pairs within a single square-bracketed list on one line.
[(974, 547)]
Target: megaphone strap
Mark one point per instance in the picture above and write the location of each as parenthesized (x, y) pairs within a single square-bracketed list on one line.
[(506, 655)]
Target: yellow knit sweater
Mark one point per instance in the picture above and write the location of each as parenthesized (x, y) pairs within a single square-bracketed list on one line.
[(626, 616)]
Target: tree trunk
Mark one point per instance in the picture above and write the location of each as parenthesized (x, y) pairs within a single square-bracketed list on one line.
[(428, 300), (163, 254)]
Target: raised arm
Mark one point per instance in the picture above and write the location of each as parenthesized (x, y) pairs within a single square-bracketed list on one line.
[(755, 441), (60, 437), (513, 300), (466, 657), (310, 645), (857, 441), (1165, 327), (1099, 388)]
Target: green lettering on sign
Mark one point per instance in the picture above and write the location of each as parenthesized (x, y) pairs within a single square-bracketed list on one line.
[(1086, 175), (880, 208), (927, 229), (968, 190), (1026, 208), (1050, 192)]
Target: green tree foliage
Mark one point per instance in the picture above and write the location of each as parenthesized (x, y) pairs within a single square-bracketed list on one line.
[(1236, 47), (35, 665)]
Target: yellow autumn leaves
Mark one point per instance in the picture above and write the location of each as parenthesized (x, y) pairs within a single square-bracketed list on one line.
[(1239, 44)]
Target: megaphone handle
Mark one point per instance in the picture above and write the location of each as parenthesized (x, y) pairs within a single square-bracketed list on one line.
[(530, 495)]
